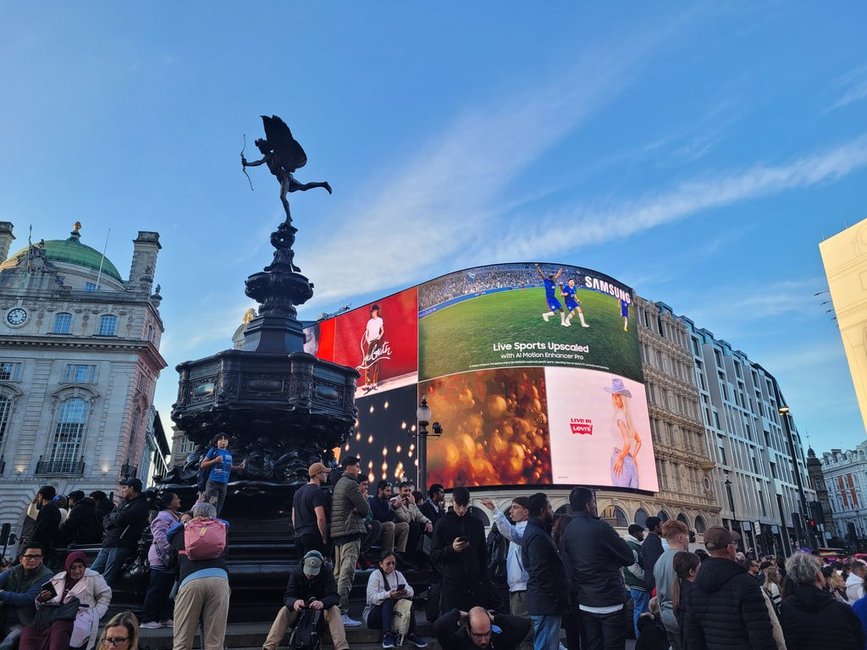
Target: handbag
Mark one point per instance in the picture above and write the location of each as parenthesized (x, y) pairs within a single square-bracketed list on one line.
[(48, 613)]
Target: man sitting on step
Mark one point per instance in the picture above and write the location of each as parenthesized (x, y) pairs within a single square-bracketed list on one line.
[(309, 586)]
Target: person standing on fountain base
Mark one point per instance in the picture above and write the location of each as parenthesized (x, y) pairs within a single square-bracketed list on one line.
[(309, 506), (220, 465), (348, 511)]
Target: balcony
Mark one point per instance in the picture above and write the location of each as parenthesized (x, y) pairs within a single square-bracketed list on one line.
[(60, 467)]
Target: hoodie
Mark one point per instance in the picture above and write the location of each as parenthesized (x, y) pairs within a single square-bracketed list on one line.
[(727, 610)]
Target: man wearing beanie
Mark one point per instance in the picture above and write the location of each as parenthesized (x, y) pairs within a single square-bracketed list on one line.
[(311, 585)]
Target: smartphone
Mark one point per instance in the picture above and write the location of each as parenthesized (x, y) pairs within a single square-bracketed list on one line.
[(400, 587), (462, 539), (50, 588)]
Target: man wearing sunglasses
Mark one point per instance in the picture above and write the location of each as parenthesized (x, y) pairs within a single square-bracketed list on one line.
[(19, 586)]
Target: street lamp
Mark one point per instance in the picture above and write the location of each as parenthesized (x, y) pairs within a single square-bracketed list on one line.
[(422, 416), (784, 417), (728, 485)]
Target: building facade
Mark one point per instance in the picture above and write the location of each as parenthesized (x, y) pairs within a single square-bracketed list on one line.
[(79, 361), (760, 477), (845, 478), (845, 259)]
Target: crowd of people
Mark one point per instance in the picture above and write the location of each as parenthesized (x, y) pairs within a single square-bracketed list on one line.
[(571, 579)]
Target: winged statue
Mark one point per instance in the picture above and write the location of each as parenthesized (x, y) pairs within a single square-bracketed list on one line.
[(283, 156)]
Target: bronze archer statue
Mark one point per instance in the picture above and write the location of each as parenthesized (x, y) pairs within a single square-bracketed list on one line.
[(283, 155)]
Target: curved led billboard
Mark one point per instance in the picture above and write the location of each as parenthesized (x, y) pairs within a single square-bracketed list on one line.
[(533, 370)]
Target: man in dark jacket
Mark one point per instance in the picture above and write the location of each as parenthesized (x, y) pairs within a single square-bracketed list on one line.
[(394, 533), (19, 586), (349, 507), (458, 549), (478, 629), (432, 507), (47, 521), (652, 549), (726, 606), (309, 586), (594, 554), (83, 525), (547, 586), (122, 531)]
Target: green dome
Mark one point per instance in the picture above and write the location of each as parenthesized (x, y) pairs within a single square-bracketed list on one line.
[(71, 251)]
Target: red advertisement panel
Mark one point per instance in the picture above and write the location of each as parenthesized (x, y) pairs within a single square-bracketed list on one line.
[(380, 340)]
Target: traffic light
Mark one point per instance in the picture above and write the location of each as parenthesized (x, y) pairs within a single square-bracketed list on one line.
[(692, 537), (4, 533)]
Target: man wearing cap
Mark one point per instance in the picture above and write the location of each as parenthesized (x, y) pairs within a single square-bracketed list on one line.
[(309, 506), (83, 525), (123, 529), (349, 509), (309, 586), (726, 607)]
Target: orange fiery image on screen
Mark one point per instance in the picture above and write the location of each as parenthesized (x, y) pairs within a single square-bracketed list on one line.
[(495, 428)]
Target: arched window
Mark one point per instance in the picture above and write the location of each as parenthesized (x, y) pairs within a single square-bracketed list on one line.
[(107, 325), (700, 525), (683, 519), (563, 510), (62, 323), (5, 414), (663, 516), (616, 516), (68, 435), (641, 516)]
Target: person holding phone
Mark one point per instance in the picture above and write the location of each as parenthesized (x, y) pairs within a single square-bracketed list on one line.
[(94, 597), (388, 593)]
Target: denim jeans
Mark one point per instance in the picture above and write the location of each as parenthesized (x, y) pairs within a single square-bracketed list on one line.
[(10, 641), (640, 604), (546, 632), (109, 560)]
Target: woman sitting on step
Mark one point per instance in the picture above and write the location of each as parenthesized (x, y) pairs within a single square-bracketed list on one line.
[(389, 605)]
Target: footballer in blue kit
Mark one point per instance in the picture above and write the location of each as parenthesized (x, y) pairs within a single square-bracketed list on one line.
[(624, 311), (550, 282), (568, 292)]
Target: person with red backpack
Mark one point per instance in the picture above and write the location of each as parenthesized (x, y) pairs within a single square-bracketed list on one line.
[(204, 579)]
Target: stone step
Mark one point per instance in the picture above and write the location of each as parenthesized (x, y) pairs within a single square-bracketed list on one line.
[(252, 635)]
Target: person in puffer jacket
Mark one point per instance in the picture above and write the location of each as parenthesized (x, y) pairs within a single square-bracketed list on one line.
[(813, 618)]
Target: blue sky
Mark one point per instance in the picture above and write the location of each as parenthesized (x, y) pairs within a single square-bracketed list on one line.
[(699, 153)]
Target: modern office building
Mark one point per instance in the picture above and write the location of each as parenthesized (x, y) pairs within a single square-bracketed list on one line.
[(760, 478), (79, 361)]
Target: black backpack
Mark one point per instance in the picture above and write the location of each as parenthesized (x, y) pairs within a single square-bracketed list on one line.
[(307, 633), (498, 549)]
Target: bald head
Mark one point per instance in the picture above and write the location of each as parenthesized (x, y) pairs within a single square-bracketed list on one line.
[(480, 627)]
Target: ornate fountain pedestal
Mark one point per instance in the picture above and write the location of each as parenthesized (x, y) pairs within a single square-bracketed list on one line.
[(284, 410)]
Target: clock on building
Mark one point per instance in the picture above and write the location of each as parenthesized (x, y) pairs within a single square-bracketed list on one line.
[(16, 316)]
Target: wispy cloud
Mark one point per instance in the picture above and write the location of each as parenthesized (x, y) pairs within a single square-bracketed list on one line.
[(592, 225), (851, 87), (434, 206)]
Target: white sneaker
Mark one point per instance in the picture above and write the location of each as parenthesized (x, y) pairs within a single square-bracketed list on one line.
[(349, 622), (167, 623), (546, 317), (150, 625), (565, 324)]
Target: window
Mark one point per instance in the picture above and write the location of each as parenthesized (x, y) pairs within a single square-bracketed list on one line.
[(107, 325), (640, 516), (90, 286), (62, 323), (10, 371), (68, 434), (616, 515), (5, 411), (700, 525), (77, 373)]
